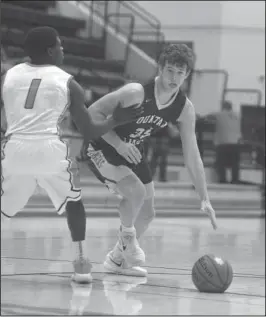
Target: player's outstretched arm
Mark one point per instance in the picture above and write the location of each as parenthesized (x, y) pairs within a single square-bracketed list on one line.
[(192, 158), (92, 128)]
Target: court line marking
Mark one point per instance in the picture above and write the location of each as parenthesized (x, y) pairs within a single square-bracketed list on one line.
[(60, 311), (244, 275), (63, 275)]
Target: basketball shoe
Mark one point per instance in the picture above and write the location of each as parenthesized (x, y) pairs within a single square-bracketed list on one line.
[(116, 264), (82, 271), (131, 251)]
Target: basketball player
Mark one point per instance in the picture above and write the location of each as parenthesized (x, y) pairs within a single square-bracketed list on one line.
[(36, 96), (124, 169)]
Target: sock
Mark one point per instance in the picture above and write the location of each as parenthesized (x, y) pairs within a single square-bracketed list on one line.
[(127, 229), (76, 220)]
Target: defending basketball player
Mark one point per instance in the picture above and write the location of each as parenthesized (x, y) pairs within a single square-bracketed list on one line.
[(117, 158), (36, 97)]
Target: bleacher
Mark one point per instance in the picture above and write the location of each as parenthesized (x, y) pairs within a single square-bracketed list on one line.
[(84, 58)]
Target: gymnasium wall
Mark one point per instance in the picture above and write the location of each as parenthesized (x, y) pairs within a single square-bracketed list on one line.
[(139, 65), (226, 34)]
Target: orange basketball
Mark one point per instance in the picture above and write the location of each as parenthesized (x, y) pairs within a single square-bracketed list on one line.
[(211, 274)]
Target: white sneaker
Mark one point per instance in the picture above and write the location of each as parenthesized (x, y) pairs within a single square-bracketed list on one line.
[(131, 251), (82, 271), (116, 264)]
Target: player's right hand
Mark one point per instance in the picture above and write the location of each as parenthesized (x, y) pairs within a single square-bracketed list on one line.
[(207, 208), (129, 152), (123, 115)]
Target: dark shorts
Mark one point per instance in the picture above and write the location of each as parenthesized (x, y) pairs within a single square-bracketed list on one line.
[(108, 166)]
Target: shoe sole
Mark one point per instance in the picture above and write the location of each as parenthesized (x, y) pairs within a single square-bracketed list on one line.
[(120, 271)]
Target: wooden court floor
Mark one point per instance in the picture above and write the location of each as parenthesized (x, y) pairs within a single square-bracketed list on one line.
[(36, 266)]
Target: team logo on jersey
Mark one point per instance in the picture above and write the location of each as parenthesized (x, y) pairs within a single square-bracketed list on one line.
[(96, 157), (149, 123), (152, 119)]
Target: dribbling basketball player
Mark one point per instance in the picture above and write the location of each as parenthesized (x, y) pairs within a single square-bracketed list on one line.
[(120, 163)]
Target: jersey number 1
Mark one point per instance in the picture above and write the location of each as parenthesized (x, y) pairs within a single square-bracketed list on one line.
[(34, 86)]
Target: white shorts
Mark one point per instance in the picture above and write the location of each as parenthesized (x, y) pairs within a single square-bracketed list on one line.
[(47, 162)]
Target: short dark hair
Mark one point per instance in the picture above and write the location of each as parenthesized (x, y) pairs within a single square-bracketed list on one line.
[(177, 54), (38, 40)]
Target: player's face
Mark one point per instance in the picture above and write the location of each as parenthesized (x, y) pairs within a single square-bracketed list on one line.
[(57, 53), (173, 76)]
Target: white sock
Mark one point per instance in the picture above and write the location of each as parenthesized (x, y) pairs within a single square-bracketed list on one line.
[(127, 229)]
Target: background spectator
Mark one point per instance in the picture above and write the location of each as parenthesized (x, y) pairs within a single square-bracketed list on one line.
[(160, 144), (227, 137)]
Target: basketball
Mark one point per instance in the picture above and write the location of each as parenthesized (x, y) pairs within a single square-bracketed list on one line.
[(212, 274), (132, 95)]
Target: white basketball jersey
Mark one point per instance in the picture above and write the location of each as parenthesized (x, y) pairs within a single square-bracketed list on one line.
[(35, 97)]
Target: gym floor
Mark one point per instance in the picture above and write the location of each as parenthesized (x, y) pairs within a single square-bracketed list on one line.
[(36, 268)]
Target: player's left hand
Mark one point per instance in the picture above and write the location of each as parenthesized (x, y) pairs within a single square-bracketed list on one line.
[(207, 208)]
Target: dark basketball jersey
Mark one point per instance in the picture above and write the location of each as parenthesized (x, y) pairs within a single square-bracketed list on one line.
[(152, 120)]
